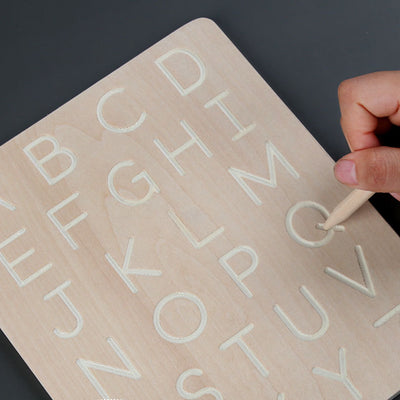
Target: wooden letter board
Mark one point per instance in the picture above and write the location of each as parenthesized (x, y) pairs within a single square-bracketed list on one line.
[(160, 239)]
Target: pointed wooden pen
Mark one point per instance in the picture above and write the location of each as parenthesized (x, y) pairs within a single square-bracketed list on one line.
[(347, 207)]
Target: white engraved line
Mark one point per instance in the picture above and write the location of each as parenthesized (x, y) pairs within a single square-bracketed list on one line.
[(180, 339), (153, 188), (75, 221), (336, 228), (64, 229), (195, 243), (56, 150), (86, 365), (317, 307), (368, 289), (342, 377), (21, 258), (300, 240), (242, 130), (172, 155), (239, 278), (7, 205), (125, 270), (271, 152), (237, 338), (9, 266), (113, 128), (167, 154), (36, 274), (381, 321), (14, 236), (167, 73), (79, 320), (20, 282), (192, 396)]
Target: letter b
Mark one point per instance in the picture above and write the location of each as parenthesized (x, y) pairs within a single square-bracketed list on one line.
[(57, 150)]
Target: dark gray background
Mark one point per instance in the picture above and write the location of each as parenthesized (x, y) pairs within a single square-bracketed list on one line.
[(53, 50)]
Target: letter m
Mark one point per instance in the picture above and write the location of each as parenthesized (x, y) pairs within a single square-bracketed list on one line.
[(272, 152)]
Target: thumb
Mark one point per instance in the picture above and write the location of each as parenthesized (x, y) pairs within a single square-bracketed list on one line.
[(376, 169)]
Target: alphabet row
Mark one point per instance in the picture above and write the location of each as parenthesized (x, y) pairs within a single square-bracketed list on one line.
[(218, 100), (240, 176), (131, 372)]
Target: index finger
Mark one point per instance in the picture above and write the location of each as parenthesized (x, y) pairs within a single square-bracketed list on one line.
[(363, 101)]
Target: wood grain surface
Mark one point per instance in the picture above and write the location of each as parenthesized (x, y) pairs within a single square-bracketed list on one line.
[(160, 239)]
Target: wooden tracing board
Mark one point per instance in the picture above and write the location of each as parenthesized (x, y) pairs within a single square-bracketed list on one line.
[(161, 238)]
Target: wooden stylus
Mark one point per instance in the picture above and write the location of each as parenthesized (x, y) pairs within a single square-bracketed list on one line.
[(347, 207)]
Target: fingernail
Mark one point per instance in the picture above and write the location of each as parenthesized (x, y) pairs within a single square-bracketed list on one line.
[(345, 172)]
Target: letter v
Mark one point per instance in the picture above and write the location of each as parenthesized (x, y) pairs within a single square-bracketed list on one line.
[(368, 289)]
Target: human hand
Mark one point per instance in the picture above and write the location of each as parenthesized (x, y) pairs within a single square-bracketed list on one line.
[(370, 105)]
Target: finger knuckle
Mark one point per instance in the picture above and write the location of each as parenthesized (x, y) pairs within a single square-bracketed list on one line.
[(346, 89), (377, 170)]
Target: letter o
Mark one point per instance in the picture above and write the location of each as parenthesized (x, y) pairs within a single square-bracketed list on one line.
[(294, 234), (176, 339)]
